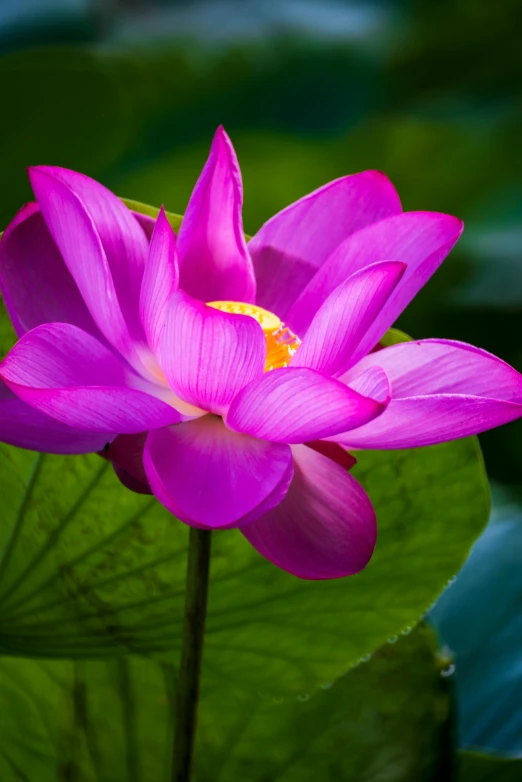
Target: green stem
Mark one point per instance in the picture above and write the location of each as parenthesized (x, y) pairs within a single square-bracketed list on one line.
[(191, 654)]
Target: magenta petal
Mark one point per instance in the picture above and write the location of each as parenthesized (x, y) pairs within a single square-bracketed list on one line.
[(107, 287), (420, 239), (207, 355), (159, 281), (342, 322), (298, 405), (214, 261), (324, 528), (289, 249), (123, 239), (35, 283), (428, 420), (126, 454), (67, 374), (441, 390), (130, 482), (213, 477), (441, 366), (146, 223), (24, 427), (333, 451), (372, 382)]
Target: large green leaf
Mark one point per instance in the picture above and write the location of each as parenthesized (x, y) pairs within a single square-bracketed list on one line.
[(111, 721), (65, 721), (387, 720), (89, 569)]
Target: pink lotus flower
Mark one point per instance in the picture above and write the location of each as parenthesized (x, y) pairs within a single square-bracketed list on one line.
[(228, 377)]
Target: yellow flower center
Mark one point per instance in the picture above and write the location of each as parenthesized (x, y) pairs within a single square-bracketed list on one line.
[(281, 343)]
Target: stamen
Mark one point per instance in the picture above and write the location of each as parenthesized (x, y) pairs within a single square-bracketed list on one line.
[(281, 343)]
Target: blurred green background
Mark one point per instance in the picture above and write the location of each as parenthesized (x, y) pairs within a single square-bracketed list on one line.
[(130, 92)]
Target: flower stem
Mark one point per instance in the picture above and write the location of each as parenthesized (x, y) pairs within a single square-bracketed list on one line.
[(191, 654)]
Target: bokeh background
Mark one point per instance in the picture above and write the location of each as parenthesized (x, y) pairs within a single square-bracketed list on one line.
[(430, 92)]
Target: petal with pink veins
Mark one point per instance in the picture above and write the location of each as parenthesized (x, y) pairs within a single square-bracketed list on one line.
[(289, 249), (372, 382), (67, 374), (342, 322), (421, 240), (35, 283), (212, 477), (325, 527), (207, 355), (160, 280), (123, 239), (441, 390), (214, 260), (298, 405), (24, 427), (104, 248)]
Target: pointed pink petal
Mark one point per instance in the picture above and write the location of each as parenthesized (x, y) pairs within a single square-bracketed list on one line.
[(212, 477), (420, 239), (214, 261), (289, 249), (324, 528), (103, 247), (331, 343), (67, 374), (441, 390), (433, 366), (35, 283), (298, 405), (24, 427), (159, 281), (208, 356), (123, 239)]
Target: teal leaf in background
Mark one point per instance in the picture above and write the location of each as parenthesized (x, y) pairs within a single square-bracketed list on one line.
[(480, 619)]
